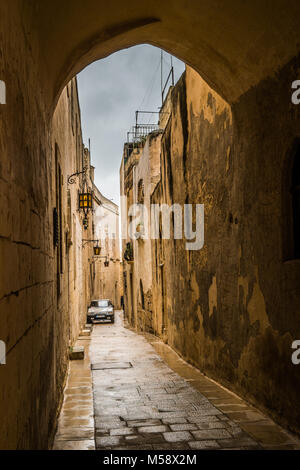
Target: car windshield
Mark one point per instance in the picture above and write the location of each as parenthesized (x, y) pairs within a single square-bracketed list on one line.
[(99, 303)]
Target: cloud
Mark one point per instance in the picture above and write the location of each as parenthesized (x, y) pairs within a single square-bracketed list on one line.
[(110, 91)]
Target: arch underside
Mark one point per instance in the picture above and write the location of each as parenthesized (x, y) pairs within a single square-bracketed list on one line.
[(233, 44)]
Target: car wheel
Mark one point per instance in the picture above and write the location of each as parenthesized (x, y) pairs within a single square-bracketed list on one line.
[(112, 319), (89, 320)]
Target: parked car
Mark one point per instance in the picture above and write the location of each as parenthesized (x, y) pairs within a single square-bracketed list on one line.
[(101, 311)]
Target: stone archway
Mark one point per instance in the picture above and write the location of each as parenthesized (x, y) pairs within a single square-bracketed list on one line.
[(245, 52), (233, 45)]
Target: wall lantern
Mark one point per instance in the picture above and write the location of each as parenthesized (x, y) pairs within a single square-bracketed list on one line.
[(85, 204), (106, 264), (85, 201), (85, 196), (97, 250)]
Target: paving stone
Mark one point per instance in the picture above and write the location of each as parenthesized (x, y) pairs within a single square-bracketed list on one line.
[(108, 412), (174, 420), (138, 416), (177, 436), (205, 412), (200, 445), (143, 422), (183, 427), (211, 434), (108, 424), (203, 419), (173, 414), (107, 441), (150, 429), (150, 438), (102, 432), (121, 431), (245, 442), (212, 425), (162, 408)]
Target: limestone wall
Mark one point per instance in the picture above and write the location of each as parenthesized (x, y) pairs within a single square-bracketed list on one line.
[(107, 278), (32, 379), (232, 308), (43, 289), (145, 174), (127, 199)]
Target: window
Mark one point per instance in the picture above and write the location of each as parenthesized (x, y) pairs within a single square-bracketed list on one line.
[(100, 303), (57, 220), (142, 295), (140, 195), (125, 283)]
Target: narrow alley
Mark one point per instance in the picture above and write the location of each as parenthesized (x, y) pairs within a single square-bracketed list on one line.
[(133, 392), (150, 178)]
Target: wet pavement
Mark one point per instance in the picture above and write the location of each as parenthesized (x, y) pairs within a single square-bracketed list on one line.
[(141, 395)]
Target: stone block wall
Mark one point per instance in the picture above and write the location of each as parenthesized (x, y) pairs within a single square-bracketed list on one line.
[(232, 308), (34, 324)]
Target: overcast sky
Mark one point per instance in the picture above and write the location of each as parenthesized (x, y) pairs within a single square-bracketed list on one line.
[(110, 91)]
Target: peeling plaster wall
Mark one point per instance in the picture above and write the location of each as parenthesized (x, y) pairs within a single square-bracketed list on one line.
[(126, 193), (232, 307), (146, 171)]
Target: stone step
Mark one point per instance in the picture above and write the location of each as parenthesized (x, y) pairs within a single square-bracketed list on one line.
[(76, 353), (85, 332)]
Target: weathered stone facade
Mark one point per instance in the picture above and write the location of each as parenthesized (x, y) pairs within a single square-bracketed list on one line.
[(49, 279), (107, 276), (74, 282), (230, 308), (139, 174)]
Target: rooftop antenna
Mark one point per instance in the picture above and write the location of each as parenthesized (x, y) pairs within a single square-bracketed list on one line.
[(161, 76), (172, 69), (170, 75)]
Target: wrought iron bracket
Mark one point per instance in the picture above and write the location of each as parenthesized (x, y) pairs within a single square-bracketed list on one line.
[(84, 241), (71, 178)]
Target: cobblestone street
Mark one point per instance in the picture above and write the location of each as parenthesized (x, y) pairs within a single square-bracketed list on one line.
[(141, 402)]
